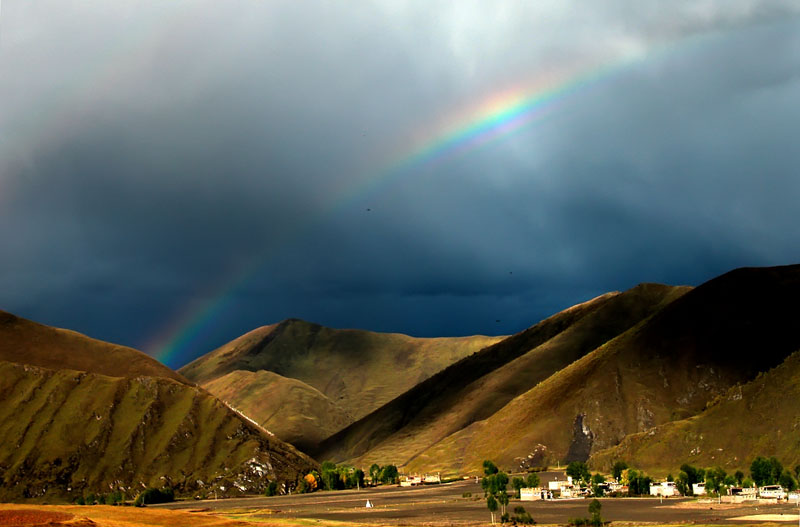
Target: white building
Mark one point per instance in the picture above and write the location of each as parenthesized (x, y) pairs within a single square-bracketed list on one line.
[(772, 491), (665, 489), (698, 489), (534, 494), (559, 484), (410, 481), (740, 495)]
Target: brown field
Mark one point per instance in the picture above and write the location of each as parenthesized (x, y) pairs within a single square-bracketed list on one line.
[(443, 505), (434, 506)]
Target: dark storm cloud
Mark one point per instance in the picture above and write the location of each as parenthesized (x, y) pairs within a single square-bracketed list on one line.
[(151, 152)]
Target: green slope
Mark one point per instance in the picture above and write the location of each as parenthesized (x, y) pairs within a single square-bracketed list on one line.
[(478, 386), (63, 432), (666, 368), (357, 371), (28, 342), (303, 417), (761, 417)]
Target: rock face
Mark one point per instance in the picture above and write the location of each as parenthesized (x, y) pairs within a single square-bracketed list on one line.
[(582, 439)]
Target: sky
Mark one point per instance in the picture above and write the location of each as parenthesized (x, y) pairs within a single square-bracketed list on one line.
[(174, 174)]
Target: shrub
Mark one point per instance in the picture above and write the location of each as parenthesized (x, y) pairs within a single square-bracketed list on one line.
[(151, 496), (272, 488)]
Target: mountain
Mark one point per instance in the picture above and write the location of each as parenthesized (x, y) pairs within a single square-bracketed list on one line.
[(328, 378), (64, 431), (31, 343), (303, 416), (475, 388), (667, 368), (760, 417)]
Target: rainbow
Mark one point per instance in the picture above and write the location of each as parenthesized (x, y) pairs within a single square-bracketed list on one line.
[(497, 117)]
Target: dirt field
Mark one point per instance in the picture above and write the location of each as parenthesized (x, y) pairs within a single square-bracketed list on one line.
[(434, 506), (444, 505)]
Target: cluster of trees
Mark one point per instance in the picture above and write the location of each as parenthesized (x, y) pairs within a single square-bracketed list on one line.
[(385, 474), (763, 471), (769, 471), (580, 474), (330, 477), (338, 477), (495, 485), (531, 481), (113, 498)]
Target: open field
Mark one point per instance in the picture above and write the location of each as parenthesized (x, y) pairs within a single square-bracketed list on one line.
[(444, 505)]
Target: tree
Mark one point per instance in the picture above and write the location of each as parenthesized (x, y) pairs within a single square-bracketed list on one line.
[(517, 483), (502, 499), (787, 481), (491, 503), (594, 510), (522, 516), (618, 468), (683, 485), (739, 475), (489, 468), (374, 473), (638, 483), (761, 471), (715, 480), (533, 480), (597, 479), (777, 469), (359, 478), (312, 482), (272, 489), (693, 475), (389, 474), (494, 484), (579, 471)]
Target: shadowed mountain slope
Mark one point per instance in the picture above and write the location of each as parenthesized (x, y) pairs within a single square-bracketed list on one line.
[(28, 342), (760, 417), (304, 416), (357, 371), (667, 368), (478, 386)]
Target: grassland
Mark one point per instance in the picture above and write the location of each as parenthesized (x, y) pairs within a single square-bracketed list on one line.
[(669, 367), (761, 417), (291, 409), (477, 387), (65, 432), (31, 343), (357, 371)]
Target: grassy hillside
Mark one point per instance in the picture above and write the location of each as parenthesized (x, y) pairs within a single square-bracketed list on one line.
[(478, 386), (303, 417), (760, 417), (669, 367), (63, 432), (31, 343), (356, 370)]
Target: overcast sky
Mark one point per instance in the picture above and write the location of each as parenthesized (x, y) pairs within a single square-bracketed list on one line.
[(173, 174)]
